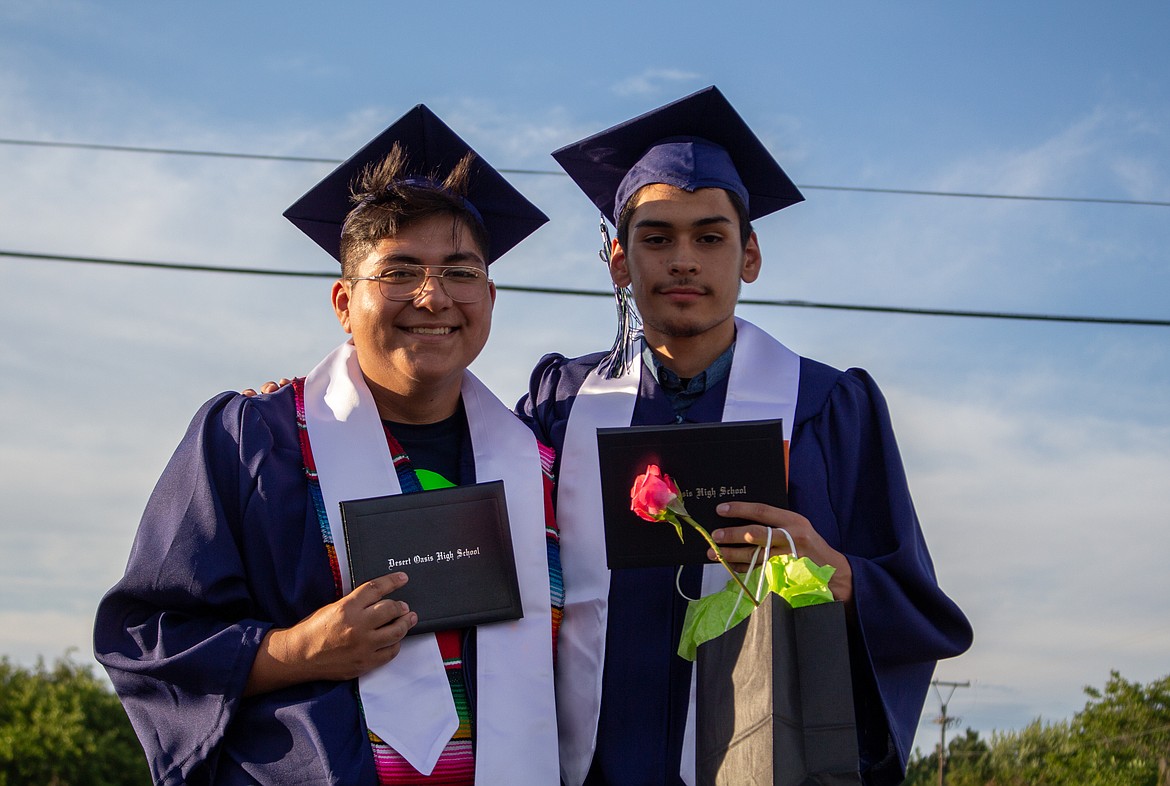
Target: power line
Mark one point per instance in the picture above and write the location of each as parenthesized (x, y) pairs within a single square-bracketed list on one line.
[(950, 312), (167, 151), (937, 312), (809, 187), (973, 195), (194, 268)]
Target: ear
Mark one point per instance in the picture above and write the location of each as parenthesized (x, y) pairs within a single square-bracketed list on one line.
[(340, 296), (619, 271), (751, 260)]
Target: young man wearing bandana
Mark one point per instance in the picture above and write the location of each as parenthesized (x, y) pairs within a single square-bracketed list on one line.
[(681, 184), (236, 641)]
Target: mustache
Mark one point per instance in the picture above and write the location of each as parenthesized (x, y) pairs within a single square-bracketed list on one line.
[(684, 282)]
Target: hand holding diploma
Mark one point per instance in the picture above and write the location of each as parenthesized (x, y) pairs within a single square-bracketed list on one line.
[(741, 542), (340, 641)]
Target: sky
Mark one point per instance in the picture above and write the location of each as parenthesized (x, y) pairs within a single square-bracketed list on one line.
[(1038, 451)]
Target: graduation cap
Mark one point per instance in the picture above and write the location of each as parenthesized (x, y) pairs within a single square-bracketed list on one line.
[(699, 141), (432, 150)]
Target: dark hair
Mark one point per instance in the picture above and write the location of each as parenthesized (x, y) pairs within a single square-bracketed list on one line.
[(384, 205), (627, 214)]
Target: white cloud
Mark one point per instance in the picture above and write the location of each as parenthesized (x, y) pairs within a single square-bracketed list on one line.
[(1049, 531), (654, 81), (50, 635), (992, 255)]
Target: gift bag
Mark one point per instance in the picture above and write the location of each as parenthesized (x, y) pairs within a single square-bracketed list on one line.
[(775, 700)]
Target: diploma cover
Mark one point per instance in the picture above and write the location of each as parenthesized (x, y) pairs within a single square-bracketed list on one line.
[(453, 543), (711, 463)]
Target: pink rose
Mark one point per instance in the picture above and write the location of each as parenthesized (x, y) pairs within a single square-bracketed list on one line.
[(655, 497), (652, 494)]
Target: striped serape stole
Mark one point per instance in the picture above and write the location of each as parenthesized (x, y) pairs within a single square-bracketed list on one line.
[(556, 582), (456, 764)]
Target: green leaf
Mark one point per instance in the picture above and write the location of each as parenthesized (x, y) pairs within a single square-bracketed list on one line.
[(800, 581)]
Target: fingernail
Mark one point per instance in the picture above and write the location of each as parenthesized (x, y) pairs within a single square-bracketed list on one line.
[(717, 536), (722, 507)]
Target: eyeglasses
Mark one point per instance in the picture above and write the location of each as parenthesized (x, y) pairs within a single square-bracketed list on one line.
[(405, 282)]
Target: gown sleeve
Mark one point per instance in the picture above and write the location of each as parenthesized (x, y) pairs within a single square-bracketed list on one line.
[(552, 388), (849, 481), (222, 555)]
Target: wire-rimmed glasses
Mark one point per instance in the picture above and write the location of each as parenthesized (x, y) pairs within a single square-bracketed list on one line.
[(405, 282)]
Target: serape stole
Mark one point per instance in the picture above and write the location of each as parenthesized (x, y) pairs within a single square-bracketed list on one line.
[(456, 764)]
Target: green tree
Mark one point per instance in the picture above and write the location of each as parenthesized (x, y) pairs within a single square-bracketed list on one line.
[(966, 764), (1123, 733), (1120, 738), (1037, 755), (63, 727), (922, 770)]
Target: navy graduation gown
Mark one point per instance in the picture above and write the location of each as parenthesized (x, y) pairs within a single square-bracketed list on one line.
[(846, 477), (229, 547)]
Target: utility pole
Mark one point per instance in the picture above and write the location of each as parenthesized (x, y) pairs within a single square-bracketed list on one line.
[(943, 721)]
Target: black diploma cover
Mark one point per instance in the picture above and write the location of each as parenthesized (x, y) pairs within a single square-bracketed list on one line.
[(741, 461), (453, 543)]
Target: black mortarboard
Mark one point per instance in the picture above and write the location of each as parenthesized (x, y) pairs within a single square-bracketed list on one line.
[(696, 142), (432, 150)]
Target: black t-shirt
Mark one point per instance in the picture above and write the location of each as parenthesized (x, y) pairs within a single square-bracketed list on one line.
[(442, 447)]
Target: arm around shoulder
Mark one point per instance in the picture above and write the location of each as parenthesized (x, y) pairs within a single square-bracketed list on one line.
[(552, 388)]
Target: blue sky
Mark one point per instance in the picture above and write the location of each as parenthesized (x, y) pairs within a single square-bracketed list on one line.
[(1038, 452)]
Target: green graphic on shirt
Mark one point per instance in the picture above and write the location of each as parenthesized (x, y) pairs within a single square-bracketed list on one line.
[(432, 480)]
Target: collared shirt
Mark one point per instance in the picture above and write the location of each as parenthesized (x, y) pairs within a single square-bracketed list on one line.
[(683, 392)]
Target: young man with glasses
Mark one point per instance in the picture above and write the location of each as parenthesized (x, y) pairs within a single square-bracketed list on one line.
[(236, 641)]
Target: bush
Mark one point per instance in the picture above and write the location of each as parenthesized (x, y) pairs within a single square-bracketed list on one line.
[(64, 727)]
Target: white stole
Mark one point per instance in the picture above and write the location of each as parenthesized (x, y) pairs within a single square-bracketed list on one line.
[(408, 702), (762, 385)]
